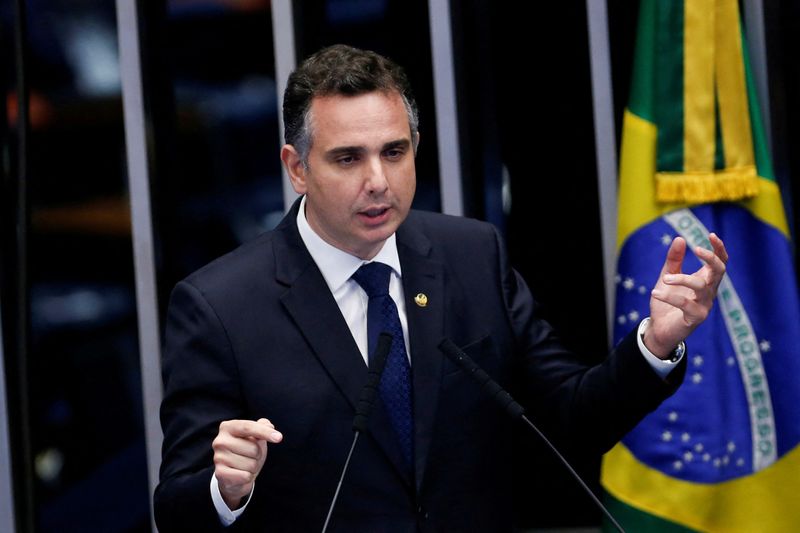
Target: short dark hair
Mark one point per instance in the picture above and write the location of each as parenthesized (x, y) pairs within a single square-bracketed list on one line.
[(340, 70)]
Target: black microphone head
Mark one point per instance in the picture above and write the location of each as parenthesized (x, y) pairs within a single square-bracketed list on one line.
[(457, 355), (488, 385), (449, 348), (377, 363), (382, 347)]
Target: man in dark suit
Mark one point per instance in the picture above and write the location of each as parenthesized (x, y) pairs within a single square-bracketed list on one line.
[(267, 348)]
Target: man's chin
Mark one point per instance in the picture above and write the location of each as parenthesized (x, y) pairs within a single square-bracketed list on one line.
[(372, 241)]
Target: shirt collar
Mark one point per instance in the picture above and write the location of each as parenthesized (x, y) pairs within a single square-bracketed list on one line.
[(338, 266)]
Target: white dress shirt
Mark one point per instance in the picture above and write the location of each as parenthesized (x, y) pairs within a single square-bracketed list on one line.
[(337, 267)]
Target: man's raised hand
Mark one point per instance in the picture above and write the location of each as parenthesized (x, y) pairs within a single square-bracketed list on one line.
[(681, 302)]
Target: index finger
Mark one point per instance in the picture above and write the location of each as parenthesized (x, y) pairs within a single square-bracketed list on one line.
[(719, 247), (261, 430), (715, 258)]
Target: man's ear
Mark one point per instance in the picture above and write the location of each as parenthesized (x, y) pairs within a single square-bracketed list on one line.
[(294, 167)]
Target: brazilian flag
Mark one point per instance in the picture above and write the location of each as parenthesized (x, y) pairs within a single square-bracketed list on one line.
[(722, 454)]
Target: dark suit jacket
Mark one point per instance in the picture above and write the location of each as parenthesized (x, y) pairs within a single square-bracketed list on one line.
[(257, 333)]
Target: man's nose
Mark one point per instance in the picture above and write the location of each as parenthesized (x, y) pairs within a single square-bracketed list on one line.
[(375, 180)]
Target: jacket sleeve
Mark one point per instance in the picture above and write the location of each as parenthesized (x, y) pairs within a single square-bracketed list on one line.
[(201, 389), (589, 407)]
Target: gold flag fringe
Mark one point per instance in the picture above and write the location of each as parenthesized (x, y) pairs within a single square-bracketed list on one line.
[(702, 187)]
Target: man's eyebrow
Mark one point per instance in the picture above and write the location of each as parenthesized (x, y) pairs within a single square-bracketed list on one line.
[(344, 150), (399, 143), (357, 150)]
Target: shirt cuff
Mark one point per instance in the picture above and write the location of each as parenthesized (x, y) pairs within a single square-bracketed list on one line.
[(662, 367), (226, 516)]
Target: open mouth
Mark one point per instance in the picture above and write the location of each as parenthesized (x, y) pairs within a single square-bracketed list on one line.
[(376, 215), (376, 212)]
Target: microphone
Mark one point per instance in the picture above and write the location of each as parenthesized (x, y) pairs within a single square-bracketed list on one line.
[(364, 407), (515, 410), (489, 385), (367, 399)]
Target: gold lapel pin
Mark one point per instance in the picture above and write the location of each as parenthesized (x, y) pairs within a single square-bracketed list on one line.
[(421, 300)]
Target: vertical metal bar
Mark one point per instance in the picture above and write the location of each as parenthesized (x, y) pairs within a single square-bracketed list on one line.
[(6, 485), (757, 44), (23, 481), (285, 61), (444, 87), (141, 218), (605, 144)]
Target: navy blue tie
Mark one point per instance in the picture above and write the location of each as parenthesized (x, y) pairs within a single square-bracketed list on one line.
[(395, 385)]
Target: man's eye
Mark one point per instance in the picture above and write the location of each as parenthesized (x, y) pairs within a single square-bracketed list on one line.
[(346, 160), (394, 153)]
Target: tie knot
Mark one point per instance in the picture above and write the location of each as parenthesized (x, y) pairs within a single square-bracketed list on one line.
[(373, 278)]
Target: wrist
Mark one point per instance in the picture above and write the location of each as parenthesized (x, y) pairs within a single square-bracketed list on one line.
[(226, 515), (670, 351), (233, 503), (234, 499)]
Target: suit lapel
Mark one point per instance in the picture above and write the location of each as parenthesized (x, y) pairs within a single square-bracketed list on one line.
[(317, 316), (311, 305), (423, 285)]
